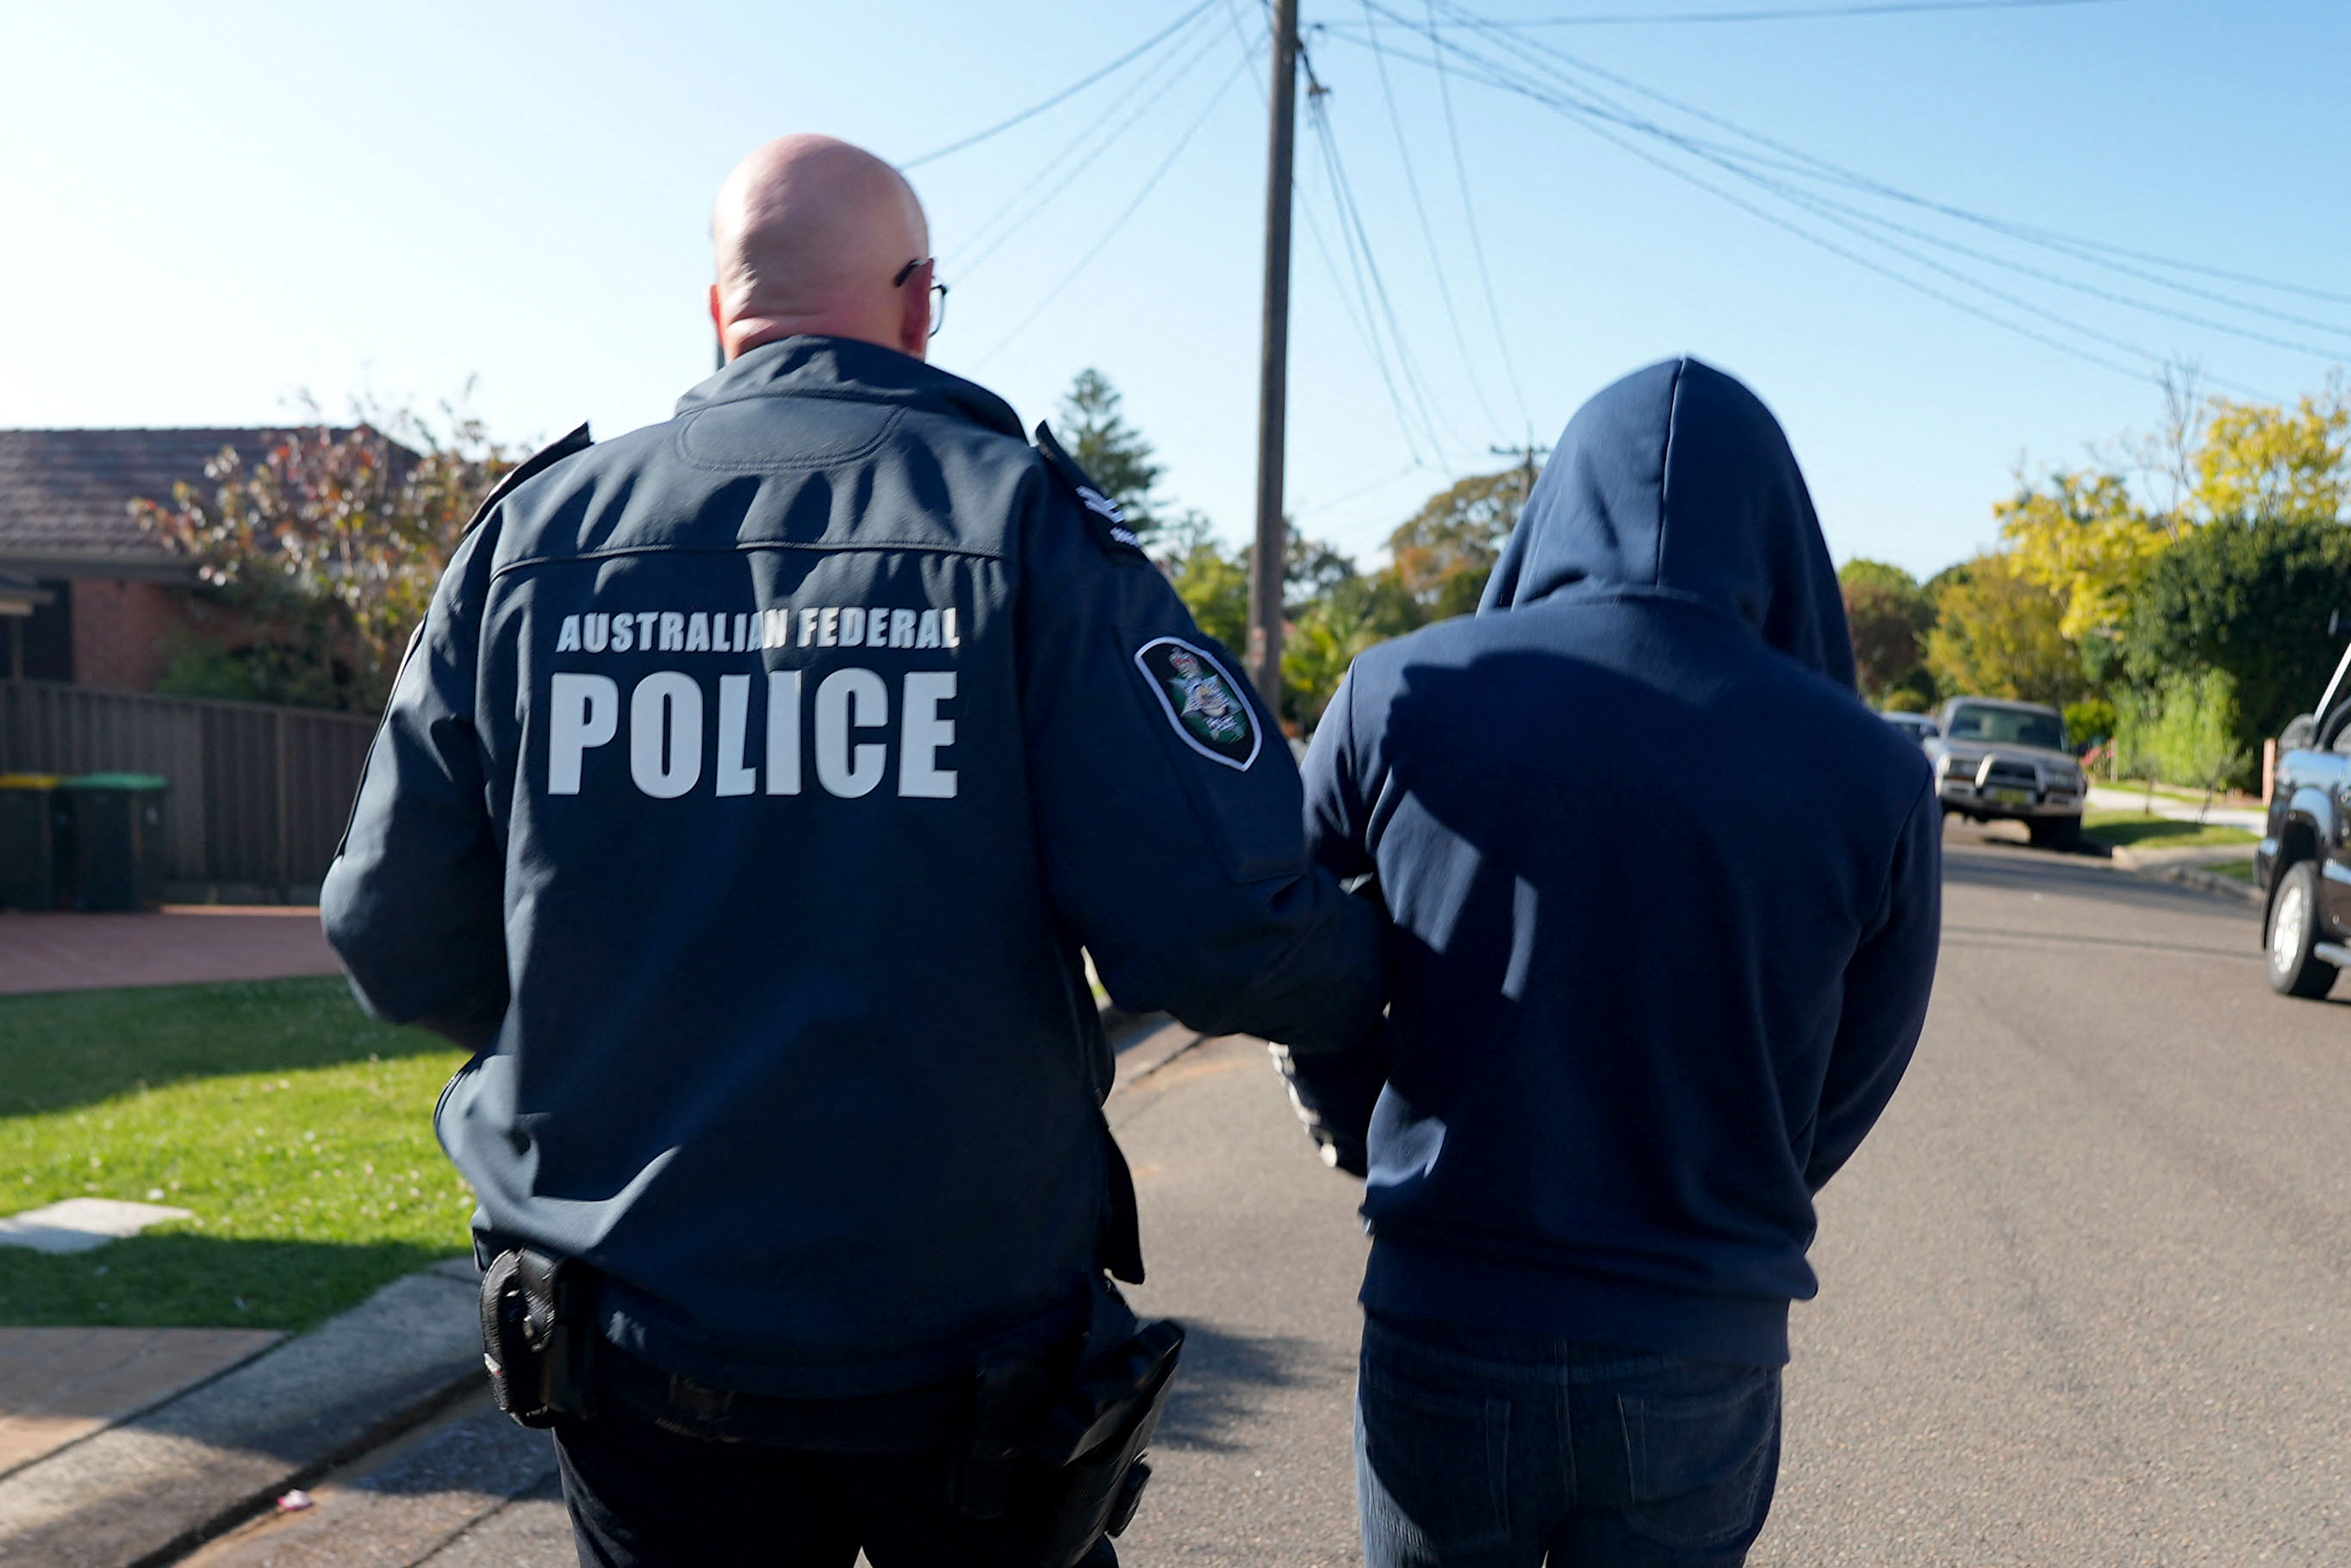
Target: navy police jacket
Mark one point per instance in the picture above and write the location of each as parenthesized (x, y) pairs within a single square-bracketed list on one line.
[(1667, 897), (745, 804)]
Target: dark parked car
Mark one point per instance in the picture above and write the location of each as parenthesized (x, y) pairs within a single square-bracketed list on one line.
[(1997, 760), (2304, 861)]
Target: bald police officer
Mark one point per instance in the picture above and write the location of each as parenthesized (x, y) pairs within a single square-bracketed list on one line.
[(744, 804)]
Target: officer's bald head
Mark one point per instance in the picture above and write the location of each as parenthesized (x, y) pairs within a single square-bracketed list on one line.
[(810, 233)]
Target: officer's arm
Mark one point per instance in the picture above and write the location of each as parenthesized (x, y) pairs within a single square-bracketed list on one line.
[(1886, 990), (415, 901), (1335, 1094), (1168, 807)]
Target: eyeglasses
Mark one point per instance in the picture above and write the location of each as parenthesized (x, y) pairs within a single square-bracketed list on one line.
[(938, 292)]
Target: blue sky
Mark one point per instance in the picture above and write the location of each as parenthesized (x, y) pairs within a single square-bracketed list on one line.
[(211, 207)]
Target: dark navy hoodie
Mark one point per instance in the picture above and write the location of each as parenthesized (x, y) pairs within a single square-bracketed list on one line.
[(1666, 896)]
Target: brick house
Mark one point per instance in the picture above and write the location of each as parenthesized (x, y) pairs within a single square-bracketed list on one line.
[(86, 596)]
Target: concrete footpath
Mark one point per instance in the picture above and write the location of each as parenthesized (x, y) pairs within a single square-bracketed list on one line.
[(147, 1490), (178, 946)]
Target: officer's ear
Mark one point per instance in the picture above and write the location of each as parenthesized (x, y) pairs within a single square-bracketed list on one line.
[(915, 312), (718, 324)]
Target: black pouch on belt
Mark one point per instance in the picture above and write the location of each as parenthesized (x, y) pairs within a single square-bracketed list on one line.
[(1098, 1432), (537, 1336)]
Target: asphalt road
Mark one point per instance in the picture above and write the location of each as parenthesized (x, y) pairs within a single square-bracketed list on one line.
[(2082, 1295)]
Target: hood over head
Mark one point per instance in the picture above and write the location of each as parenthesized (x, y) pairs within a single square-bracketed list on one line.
[(1677, 483)]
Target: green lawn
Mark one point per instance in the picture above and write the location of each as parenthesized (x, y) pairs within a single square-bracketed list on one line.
[(2138, 830), (2237, 870), (298, 1130)]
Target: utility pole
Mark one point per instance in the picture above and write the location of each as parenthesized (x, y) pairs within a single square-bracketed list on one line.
[(1273, 550), (1528, 455)]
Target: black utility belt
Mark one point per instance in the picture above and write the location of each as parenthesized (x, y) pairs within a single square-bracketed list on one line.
[(1056, 1438), (880, 1424)]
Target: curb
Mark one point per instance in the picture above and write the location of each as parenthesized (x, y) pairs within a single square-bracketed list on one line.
[(143, 1493), (2203, 880)]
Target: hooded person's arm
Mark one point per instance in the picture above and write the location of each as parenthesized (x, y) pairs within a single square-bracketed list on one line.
[(414, 903), (1887, 985), (1167, 806)]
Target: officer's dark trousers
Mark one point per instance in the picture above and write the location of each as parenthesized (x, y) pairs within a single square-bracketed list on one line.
[(1477, 1450), (643, 1498)]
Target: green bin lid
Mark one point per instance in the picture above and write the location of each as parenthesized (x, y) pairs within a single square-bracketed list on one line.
[(118, 781), (29, 780)]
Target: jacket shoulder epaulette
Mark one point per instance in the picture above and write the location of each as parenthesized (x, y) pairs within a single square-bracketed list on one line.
[(1105, 517), (538, 461)]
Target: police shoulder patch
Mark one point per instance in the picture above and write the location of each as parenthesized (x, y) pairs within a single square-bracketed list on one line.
[(1202, 700), (1105, 517)]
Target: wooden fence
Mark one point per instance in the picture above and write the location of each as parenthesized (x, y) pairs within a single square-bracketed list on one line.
[(259, 794)]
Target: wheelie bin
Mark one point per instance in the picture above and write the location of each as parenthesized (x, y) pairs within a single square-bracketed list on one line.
[(34, 842), (120, 853)]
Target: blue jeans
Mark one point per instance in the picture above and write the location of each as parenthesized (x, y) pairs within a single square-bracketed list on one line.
[(1477, 1450)]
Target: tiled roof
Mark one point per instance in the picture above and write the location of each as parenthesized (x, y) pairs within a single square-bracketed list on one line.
[(68, 493)]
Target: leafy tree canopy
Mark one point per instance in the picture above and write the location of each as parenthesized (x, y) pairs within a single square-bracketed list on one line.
[(2261, 462), (2252, 600), (2085, 539), (1998, 633), (1861, 571), (327, 550), (1444, 555), (1888, 615), (1115, 454)]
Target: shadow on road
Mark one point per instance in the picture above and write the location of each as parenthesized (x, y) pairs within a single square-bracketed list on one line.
[(1223, 1376)]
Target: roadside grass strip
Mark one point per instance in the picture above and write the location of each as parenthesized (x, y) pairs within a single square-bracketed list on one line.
[(295, 1130), (2140, 830), (2235, 870)]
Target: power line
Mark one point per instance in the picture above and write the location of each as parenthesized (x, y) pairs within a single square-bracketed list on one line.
[(1364, 335), (1583, 115), (1119, 222), (1072, 90), (1824, 168), (1587, 110), (1319, 507), (1476, 240), (1428, 233), (1741, 166), (1791, 13), (1352, 214), (1095, 147), (1354, 265)]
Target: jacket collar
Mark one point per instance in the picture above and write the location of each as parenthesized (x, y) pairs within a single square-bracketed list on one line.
[(813, 366)]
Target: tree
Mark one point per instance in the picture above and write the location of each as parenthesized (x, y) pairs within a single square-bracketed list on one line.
[(1998, 633), (1213, 586), (2252, 600), (1325, 637), (1342, 613), (2261, 462), (1113, 454), (1444, 555), (328, 550), (1889, 616), (2085, 539)]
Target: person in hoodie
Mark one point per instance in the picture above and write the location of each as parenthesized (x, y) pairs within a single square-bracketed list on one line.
[(742, 805), (1665, 900)]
